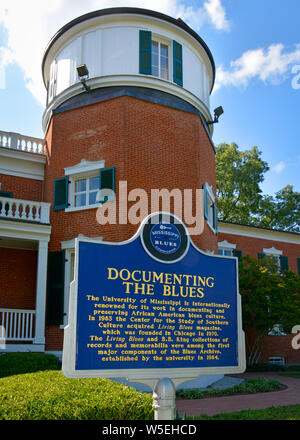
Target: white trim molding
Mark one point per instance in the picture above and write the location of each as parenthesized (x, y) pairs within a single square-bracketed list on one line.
[(226, 245), (272, 251), (255, 232), (84, 166)]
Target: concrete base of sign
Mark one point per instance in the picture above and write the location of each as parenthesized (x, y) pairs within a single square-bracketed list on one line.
[(202, 381)]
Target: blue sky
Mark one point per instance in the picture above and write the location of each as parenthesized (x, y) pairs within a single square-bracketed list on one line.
[(256, 47)]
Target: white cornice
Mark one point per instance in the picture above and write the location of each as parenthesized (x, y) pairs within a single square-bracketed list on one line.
[(253, 232), (226, 244), (127, 80), (22, 164), (84, 166), (25, 230)]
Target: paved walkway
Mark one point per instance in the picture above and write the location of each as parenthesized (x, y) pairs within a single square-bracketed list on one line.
[(227, 404)]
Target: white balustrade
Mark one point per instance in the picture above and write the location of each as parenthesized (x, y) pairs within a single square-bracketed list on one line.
[(17, 325), (18, 209), (16, 141)]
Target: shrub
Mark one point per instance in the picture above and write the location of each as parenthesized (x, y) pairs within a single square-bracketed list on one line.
[(261, 367), (49, 395), (250, 386), (19, 363)]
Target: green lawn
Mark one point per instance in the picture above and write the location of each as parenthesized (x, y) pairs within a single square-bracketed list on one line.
[(291, 412), (295, 375)]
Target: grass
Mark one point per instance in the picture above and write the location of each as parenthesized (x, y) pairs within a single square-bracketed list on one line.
[(291, 412), (250, 386), (295, 375)]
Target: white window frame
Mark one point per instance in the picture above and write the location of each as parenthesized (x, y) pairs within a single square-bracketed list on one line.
[(226, 246), (83, 170), (157, 39), (69, 247), (275, 253), (210, 202)]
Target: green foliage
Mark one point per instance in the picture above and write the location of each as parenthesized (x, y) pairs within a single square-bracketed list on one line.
[(48, 395), (268, 298), (263, 367), (240, 199), (282, 211), (238, 175), (249, 386), (20, 363), (291, 412)]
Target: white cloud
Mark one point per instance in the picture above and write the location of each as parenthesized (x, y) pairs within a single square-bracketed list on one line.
[(279, 167), (30, 24), (217, 14), (271, 65)]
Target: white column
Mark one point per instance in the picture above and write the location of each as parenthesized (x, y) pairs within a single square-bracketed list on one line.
[(40, 307), (164, 399)]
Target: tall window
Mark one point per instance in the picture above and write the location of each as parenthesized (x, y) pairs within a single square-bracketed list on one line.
[(85, 191), (160, 59)]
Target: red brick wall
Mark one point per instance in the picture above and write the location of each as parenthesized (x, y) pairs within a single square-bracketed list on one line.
[(18, 278), (22, 188), (252, 246), (272, 345), (276, 345), (151, 147)]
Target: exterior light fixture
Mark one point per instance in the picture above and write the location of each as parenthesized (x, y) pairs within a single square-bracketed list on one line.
[(217, 112), (83, 74)]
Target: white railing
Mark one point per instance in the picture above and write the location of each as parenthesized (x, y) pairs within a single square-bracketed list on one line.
[(17, 325), (19, 209), (16, 141)]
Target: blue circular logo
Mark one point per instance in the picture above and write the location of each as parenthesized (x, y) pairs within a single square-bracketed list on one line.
[(165, 238)]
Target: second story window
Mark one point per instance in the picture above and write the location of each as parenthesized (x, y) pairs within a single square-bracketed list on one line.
[(160, 59), (85, 191), (158, 55), (210, 208), (85, 186)]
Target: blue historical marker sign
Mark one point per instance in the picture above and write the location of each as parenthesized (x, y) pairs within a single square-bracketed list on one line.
[(155, 303)]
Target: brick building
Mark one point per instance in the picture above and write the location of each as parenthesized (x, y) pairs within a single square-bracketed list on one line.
[(140, 116)]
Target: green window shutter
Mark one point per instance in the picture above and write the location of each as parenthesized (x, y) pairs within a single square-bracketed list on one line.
[(8, 194), (261, 255), (298, 261), (284, 263), (237, 253), (205, 202), (177, 63), (55, 284), (107, 180), (61, 189), (215, 217), (145, 52)]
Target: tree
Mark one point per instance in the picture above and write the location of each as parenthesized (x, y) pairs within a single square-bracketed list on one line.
[(282, 211), (238, 175), (268, 298), (240, 199)]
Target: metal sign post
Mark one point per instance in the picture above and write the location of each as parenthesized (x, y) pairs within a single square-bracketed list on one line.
[(155, 310)]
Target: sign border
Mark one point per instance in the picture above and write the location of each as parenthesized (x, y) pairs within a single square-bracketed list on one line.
[(144, 375)]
